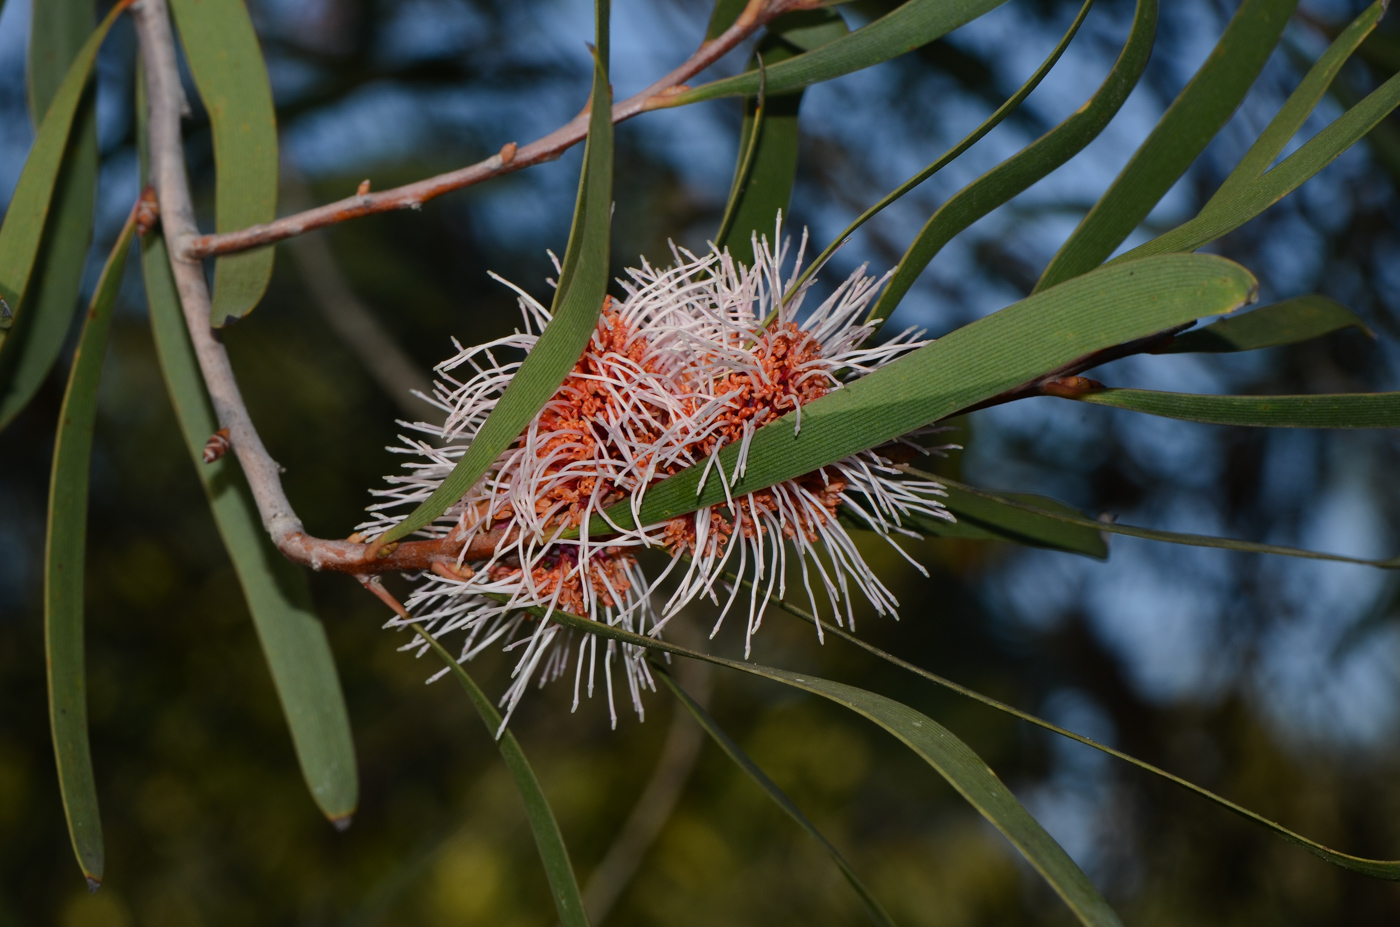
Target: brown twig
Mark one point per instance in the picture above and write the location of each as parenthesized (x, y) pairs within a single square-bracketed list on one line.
[(166, 104), (510, 158), (355, 557)]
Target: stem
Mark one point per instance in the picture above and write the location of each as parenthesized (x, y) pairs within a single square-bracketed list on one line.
[(510, 158), (166, 102)]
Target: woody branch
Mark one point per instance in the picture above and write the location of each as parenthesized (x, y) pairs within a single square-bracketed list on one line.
[(510, 158), (166, 104)]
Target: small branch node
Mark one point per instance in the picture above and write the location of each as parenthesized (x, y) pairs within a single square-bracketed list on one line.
[(1069, 387), (147, 211), (507, 153), (449, 571), (363, 188), (376, 588), (217, 446)]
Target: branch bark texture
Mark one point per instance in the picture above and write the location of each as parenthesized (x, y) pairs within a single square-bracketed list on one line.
[(166, 102)]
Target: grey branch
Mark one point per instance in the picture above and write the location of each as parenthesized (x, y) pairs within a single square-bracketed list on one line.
[(165, 102)]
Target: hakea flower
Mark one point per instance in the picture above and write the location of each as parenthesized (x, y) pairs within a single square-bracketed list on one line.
[(682, 366)]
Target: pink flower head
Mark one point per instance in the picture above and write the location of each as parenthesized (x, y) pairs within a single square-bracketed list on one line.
[(689, 362)]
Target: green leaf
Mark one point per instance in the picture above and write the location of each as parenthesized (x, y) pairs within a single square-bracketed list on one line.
[(1379, 868), (1016, 345), (1198, 113), (578, 301), (912, 25), (1258, 195), (548, 840), (1289, 322), (1035, 161), (1336, 410), (294, 643), (29, 207), (768, 142), (63, 569), (57, 31), (227, 65), (1299, 105), (1151, 534), (991, 517), (953, 153), (745, 762), (963, 769)]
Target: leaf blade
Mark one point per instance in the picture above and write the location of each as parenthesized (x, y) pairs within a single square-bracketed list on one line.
[(1169, 537), (1335, 410), (1019, 172), (64, 557), (568, 901), (936, 745), (999, 352), (21, 231), (578, 301), (913, 24), (780, 798), (226, 63), (1195, 117), (952, 154), (1378, 868), (57, 31), (768, 140), (1299, 105), (1319, 151), (991, 518), (293, 641), (1289, 322)]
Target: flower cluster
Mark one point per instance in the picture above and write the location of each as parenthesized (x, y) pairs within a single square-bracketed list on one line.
[(696, 357)]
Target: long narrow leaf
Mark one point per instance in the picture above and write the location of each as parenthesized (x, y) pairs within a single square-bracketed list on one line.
[(293, 642), (1321, 150), (1336, 410), (989, 516), (1289, 322), (1020, 343), (227, 65), (1169, 537), (1198, 113), (1299, 105), (952, 154), (768, 140), (741, 759), (1035, 161), (912, 25), (65, 554), (29, 207), (568, 902), (578, 300), (963, 769), (57, 31), (1379, 868)]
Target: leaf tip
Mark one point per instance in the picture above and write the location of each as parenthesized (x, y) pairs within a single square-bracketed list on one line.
[(342, 822), (93, 884)]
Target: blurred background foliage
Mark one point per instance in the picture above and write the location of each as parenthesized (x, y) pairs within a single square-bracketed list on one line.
[(1274, 683)]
